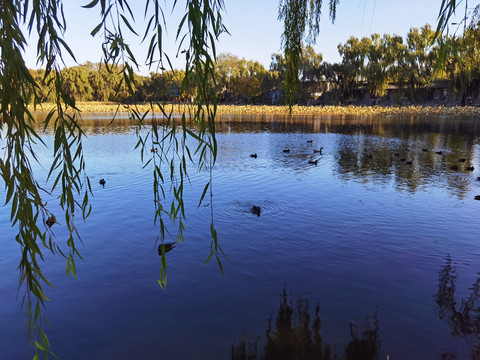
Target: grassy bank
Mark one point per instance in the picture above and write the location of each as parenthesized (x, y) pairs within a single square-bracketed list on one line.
[(88, 107)]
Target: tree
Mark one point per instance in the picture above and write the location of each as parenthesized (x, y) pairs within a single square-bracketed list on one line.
[(462, 62), (310, 72), (421, 58), (378, 65), (237, 78), (395, 59), (354, 55)]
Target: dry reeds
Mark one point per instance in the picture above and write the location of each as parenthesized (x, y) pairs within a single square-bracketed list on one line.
[(99, 107)]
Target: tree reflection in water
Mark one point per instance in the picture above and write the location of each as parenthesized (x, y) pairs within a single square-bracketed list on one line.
[(295, 337), (463, 317)]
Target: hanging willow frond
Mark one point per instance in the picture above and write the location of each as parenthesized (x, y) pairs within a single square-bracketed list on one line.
[(202, 25), (296, 16)]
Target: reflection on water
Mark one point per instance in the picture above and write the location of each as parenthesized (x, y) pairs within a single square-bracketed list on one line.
[(411, 152), (361, 226), (462, 315), (296, 337)]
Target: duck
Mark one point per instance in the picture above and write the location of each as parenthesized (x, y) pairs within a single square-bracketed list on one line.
[(102, 182), (470, 168), (50, 221), (478, 178), (154, 150), (286, 150), (168, 247), (309, 141), (253, 156), (461, 160), (313, 162), (454, 167), (477, 197), (255, 210), (318, 151)]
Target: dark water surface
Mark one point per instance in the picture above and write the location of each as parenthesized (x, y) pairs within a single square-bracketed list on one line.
[(361, 234)]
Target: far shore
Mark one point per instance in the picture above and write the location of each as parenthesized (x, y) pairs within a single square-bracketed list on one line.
[(104, 107)]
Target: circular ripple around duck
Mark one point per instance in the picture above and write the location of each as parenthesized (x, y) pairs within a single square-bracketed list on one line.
[(267, 207)]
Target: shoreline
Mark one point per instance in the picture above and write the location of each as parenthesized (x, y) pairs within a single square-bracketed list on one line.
[(95, 107)]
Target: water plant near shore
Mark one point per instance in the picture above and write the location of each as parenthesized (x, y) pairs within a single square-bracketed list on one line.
[(88, 107)]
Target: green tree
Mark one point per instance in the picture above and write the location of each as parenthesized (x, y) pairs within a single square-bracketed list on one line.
[(395, 52), (239, 78), (76, 83), (462, 63), (354, 59), (421, 59), (310, 72)]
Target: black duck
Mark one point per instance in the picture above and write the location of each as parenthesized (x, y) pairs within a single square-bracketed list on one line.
[(256, 210), (50, 221), (168, 247)]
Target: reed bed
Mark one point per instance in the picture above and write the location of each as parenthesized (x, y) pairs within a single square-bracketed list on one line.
[(96, 107)]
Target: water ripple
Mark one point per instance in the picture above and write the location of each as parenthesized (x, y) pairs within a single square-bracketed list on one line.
[(268, 207)]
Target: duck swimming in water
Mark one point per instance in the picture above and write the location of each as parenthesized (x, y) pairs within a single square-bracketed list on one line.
[(318, 151), (102, 182), (50, 221), (313, 162), (253, 156), (168, 247), (470, 168), (256, 210), (286, 150)]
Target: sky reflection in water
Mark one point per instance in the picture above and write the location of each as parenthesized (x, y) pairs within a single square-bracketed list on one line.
[(361, 234)]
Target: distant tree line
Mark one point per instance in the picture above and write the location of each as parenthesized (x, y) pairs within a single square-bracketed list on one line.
[(370, 67)]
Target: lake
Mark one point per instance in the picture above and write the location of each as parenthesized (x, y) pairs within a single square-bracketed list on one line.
[(388, 250)]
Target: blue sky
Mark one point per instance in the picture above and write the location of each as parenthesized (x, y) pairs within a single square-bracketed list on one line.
[(254, 28)]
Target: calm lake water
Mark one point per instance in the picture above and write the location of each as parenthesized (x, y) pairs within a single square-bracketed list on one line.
[(384, 247)]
